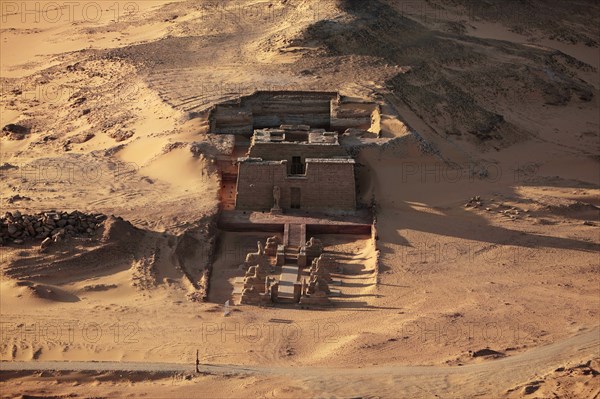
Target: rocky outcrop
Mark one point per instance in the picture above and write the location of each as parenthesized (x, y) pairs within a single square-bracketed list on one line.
[(15, 132)]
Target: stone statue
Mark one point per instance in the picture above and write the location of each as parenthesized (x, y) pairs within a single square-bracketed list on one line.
[(276, 200), (261, 250), (313, 248), (257, 258), (271, 247)]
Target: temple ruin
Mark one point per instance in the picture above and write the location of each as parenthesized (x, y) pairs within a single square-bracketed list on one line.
[(294, 178)]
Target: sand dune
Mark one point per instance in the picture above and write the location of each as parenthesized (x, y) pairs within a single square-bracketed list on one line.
[(31, 291)]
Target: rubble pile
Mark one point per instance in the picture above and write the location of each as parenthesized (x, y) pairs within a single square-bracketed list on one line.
[(474, 202), (17, 228)]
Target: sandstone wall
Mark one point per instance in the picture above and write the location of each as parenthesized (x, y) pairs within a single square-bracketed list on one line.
[(327, 185), (285, 151)]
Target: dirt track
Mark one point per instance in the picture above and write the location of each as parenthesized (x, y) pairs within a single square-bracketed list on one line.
[(490, 377)]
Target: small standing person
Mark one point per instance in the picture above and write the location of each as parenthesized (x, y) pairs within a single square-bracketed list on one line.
[(197, 362)]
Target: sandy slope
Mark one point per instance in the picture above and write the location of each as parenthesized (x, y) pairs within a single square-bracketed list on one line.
[(473, 106)]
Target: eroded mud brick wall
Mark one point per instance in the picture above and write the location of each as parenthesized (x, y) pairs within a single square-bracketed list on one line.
[(231, 120), (264, 109), (272, 109), (353, 115), (327, 185)]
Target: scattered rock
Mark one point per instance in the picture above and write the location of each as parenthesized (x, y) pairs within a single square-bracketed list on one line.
[(75, 67), (49, 138), (45, 244), (79, 101), (113, 150), (16, 198), (15, 132), (474, 202), (7, 166), (99, 287), (81, 138), (529, 389), (486, 352), (14, 128), (121, 135)]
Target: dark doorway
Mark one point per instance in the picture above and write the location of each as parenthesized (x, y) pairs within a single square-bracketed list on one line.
[(297, 168), (295, 198)]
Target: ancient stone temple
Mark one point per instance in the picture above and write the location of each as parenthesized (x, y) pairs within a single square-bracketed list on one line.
[(290, 174), (296, 167)]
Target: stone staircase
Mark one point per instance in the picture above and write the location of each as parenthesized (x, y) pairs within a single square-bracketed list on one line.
[(296, 235), (294, 238)]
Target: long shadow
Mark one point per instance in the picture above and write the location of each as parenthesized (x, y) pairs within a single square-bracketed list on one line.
[(355, 285), (446, 62), (348, 274), (583, 214), (342, 256), (482, 231), (349, 277), (69, 266), (394, 285), (362, 305), (360, 295), (560, 183)]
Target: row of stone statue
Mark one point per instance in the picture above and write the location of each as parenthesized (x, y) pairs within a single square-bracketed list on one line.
[(260, 289), (311, 250), (315, 291)]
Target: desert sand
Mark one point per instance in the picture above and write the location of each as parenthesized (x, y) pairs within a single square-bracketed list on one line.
[(482, 282)]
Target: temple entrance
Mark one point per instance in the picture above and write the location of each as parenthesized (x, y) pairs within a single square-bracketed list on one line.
[(295, 198), (297, 168)]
